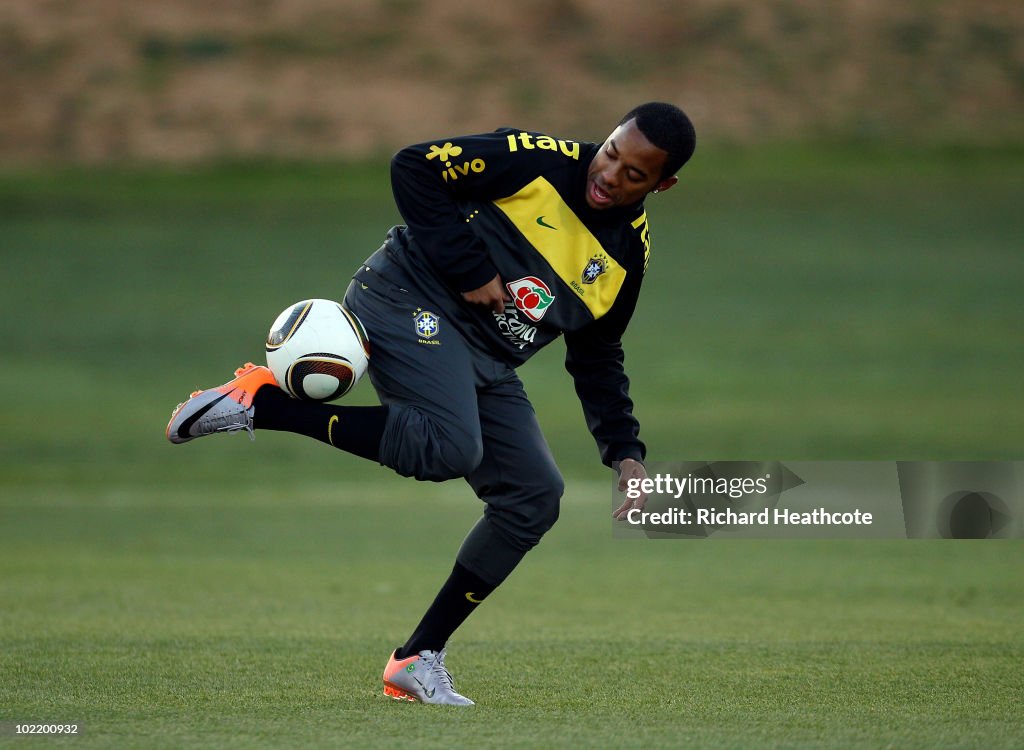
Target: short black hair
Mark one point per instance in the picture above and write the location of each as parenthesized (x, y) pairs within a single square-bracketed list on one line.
[(667, 127)]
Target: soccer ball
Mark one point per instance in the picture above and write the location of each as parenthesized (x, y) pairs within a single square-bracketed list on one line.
[(317, 350)]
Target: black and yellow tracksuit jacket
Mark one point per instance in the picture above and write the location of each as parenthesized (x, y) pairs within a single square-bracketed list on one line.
[(512, 203)]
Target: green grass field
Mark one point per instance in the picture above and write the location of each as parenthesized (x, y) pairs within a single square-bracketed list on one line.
[(801, 304)]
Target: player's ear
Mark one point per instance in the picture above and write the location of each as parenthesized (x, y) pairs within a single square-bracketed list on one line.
[(665, 184)]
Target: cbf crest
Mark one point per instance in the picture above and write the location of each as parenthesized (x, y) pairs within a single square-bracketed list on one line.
[(596, 266), (427, 324)]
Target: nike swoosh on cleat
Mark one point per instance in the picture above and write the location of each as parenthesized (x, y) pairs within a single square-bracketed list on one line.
[(186, 426), (428, 693), (540, 220)]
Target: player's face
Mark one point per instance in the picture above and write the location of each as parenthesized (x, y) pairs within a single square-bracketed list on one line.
[(627, 168)]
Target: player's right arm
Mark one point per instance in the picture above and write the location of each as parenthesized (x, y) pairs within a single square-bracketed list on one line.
[(428, 181), (491, 295)]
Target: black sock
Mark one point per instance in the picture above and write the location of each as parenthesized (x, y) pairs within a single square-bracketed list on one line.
[(356, 429), (456, 600)]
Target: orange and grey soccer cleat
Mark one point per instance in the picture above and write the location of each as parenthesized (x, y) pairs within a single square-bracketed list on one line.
[(226, 408), (422, 678)]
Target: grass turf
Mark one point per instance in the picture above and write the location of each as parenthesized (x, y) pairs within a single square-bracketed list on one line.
[(799, 306), (185, 617)]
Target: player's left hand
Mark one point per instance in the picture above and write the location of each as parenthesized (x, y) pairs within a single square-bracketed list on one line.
[(630, 469)]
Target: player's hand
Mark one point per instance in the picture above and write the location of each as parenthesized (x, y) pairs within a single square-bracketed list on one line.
[(492, 295), (630, 469)]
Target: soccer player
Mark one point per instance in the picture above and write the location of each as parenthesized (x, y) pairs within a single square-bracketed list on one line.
[(512, 239)]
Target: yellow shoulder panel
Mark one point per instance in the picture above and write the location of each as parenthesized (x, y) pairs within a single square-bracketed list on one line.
[(573, 253)]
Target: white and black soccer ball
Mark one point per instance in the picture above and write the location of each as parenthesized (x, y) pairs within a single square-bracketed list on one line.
[(317, 350)]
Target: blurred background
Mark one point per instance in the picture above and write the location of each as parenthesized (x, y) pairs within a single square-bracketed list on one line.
[(189, 81), (837, 276)]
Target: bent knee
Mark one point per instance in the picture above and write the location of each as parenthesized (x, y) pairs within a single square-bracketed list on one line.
[(543, 522), (549, 503), (457, 458), (548, 513), (538, 509), (444, 460), (420, 446)]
